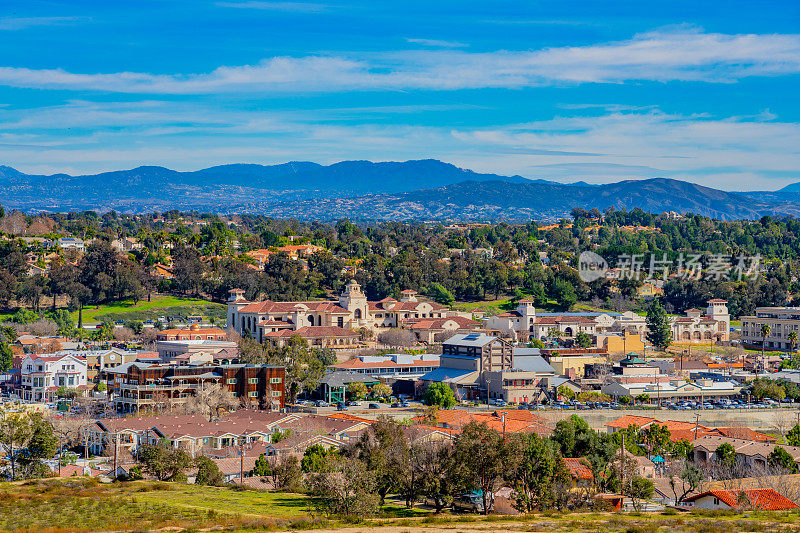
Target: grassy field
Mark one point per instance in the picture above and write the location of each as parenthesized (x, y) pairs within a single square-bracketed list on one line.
[(82, 504), (158, 306)]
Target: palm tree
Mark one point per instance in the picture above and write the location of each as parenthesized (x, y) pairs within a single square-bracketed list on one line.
[(792, 340), (765, 331)]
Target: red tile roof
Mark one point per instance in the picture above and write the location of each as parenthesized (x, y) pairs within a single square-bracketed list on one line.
[(765, 499), (579, 468)]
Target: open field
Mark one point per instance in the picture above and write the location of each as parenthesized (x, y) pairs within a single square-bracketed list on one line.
[(81, 504), (158, 306)]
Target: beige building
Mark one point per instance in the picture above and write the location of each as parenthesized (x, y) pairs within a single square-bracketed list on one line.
[(352, 311), (699, 328), (781, 321)]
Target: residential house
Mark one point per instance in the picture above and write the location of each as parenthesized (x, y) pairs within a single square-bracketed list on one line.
[(749, 453), (727, 500), (42, 375)]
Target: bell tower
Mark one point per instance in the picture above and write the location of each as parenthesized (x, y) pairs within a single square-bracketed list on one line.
[(354, 300)]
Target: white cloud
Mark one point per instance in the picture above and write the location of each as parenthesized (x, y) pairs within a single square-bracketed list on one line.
[(684, 54), (437, 43), (298, 7), (21, 23), (736, 153)]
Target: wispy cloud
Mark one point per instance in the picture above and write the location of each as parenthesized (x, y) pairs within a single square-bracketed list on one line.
[(682, 54), (297, 7), (437, 43), (729, 153), (21, 23)]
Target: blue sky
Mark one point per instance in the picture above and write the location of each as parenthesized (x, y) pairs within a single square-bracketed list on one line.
[(591, 90)]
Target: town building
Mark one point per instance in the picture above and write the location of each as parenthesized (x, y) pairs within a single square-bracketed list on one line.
[(352, 311), (781, 321), (391, 365), (139, 387), (193, 332), (694, 328), (222, 352), (42, 375), (465, 360), (699, 328)]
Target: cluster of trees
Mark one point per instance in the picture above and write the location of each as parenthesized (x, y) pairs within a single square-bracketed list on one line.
[(28, 439), (447, 265), (358, 478)]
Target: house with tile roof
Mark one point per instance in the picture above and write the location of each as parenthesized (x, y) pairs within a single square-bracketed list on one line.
[(762, 499), (580, 471), (192, 433), (689, 431), (748, 452)]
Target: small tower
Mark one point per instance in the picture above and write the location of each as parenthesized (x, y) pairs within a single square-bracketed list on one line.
[(354, 300), (718, 310), (408, 295), (236, 302)]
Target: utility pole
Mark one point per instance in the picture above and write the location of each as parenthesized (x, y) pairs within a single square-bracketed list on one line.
[(116, 452), (696, 424), (241, 460)]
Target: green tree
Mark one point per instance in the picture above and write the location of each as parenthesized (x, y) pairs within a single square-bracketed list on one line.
[(793, 436), (381, 390), (656, 438), (566, 392), (726, 454), (384, 451), (780, 458), (345, 487), (659, 332), (440, 294), (314, 458), (439, 394), (583, 339), (481, 452), (262, 466), (537, 471), (792, 337), (208, 472), (164, 462), (357, 390), (6, 357)]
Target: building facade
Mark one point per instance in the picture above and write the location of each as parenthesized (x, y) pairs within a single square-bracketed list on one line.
[(42, 375), (149, 387), (352, 311), (781, 321)]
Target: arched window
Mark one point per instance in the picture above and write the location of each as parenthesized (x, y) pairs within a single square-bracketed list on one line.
[(311, 320), (357, 314)]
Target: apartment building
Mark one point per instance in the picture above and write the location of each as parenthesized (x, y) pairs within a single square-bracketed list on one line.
[(151, 387), (42, 375), (193, 332), (781, 321)]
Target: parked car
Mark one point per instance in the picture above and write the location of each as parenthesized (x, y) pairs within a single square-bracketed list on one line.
[(321, 403), (374, 406), (471, 502)]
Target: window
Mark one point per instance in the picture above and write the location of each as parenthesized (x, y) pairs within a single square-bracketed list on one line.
[(275, 394), (275, 380), (252, 381), (231, 381), (252, 394)]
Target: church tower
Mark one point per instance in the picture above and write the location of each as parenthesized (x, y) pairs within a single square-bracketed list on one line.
[(354, 300)]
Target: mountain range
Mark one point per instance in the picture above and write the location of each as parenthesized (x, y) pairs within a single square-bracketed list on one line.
[(362, 190)]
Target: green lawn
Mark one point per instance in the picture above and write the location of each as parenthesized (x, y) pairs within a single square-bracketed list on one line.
[(277, 505), (158, 306)]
